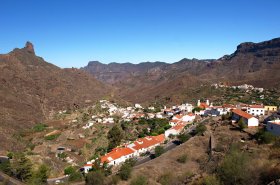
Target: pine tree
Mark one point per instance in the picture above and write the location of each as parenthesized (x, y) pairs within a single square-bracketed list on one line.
[(115, 135), (22, 167)]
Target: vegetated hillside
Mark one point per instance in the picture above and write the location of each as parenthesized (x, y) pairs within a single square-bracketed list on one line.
[(236, 158), (253, 63), (31, 88)]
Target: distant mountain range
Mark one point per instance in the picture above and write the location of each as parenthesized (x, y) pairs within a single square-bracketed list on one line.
[(31, 89), (253, 63)]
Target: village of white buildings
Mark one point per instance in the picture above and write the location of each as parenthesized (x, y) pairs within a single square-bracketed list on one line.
[(181, 117)]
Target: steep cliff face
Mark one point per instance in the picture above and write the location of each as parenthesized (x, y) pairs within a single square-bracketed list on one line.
[(266, 47), (31, 88)]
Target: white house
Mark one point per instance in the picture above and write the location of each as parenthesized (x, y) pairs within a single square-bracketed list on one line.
[(88, 125), (248, 119), (256, 110), (220, 109), (145, 144), (151, 108), (186, 107), (108, 120), (273, 127), (113, 109), (201, 112), (173, 122), (229, 107), (159, 115), (138, 106), (177, 129), (87, 167), (117, 156), (151, 115), (188, 118)]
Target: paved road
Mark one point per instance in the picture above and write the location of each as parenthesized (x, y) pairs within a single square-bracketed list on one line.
[(58, 179), (167, 147)]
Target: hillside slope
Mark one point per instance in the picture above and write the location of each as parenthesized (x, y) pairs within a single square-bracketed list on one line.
[(30, 89)]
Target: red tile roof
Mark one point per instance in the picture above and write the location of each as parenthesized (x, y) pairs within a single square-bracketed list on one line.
[(216, 107), (139, 144), (148, 141), (256, 106), (179, 116), (88, 165), (203, 105), (178, 127), (242, 113), (116, 153), (228, 106)]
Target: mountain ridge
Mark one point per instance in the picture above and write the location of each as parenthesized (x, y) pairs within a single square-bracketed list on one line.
[(253, 63), (32, 89)]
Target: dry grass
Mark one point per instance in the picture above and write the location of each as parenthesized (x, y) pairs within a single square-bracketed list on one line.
[(198, 164)]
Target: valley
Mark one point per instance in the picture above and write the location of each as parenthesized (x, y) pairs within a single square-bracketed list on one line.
[(125, 123)]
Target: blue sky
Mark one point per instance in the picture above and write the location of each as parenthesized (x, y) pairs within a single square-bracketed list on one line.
[(69, 33)]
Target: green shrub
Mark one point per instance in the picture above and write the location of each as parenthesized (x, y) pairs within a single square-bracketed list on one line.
[(159, 150), (95, 178), (184, 137), (52, 137), (115, 180), (139, 180), (266, 137), (166, 179), (10, 155), (182, 159), (22, 167), (75, 176), (6, 167), (235, 168), (69, 170), (62, 155), (115, 135), (241, 124), (40, 127), (40, 176), (211, 180), (200, 129), (125, 171)]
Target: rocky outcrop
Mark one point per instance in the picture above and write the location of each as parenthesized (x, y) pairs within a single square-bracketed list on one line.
[(29, 47)]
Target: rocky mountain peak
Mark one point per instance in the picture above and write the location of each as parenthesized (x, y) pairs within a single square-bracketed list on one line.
[(29, 47)]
